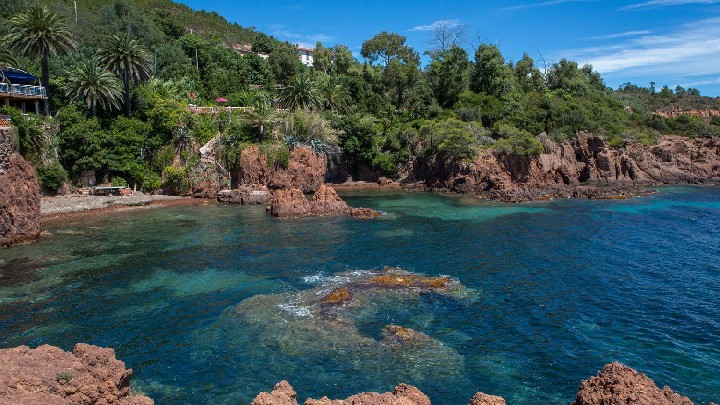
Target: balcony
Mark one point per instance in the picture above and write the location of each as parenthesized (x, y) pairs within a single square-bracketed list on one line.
[(22, 91)]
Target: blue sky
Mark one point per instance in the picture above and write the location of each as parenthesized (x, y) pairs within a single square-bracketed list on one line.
[(666, 41)]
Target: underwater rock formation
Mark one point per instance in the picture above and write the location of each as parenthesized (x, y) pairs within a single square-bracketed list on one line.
[(19, 196), (49, 375), (332, 319)]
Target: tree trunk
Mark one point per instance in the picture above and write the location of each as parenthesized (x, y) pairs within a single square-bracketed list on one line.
[(126, 84), (45, 79), (93, 108)]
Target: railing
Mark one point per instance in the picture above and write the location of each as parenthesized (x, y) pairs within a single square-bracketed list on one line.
[(23, 90), (213, 110)]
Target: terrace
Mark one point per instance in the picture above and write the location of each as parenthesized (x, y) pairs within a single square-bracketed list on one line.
[(19, 87)]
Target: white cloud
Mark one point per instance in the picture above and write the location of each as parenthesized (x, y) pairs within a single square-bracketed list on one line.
[(435, 24), (702, 82), (691, 50), (305, 40), (549, 3), (660, 3), (621, 35)]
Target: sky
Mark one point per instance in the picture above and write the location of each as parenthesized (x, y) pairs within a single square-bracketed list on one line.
[(669, 42)]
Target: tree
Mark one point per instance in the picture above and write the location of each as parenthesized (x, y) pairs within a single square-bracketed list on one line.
[(335, 94), (284, 62), (261, 116), (301, 92), (322, 61), (490, 74), (93, 84), (447, 34), (387, 47), (7, 58), (39, 32), (342, 59), (126, 57), (448, 75)]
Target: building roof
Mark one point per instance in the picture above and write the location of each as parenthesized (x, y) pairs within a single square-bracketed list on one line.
[(299, 48), (17, 76)]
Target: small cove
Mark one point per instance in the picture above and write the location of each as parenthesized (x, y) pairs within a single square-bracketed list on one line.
[(556, 290)]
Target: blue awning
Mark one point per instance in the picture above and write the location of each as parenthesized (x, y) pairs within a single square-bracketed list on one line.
[(17, 76)]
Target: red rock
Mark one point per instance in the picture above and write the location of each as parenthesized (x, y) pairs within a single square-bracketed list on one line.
[(290, 204), (252, 166), (282, 394), (363, 213), (617, 384), (306, 171), (403, 394), (485, 399), (327, 202), (19, 199), (49, 375), (246, 194)]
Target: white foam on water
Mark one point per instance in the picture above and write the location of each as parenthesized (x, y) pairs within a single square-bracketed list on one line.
[(296, 310)]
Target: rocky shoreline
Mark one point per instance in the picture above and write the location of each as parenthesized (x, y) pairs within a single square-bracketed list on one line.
[(92, 375)]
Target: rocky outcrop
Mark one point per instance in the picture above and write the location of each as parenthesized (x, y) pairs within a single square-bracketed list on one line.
[(584, 167), (19, 197), (305, 171), (49, 375), (246, 194), (485, 399), (292, 203), (617, 384)]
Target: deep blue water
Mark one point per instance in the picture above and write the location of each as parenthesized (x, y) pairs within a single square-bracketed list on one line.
[(552, 292)]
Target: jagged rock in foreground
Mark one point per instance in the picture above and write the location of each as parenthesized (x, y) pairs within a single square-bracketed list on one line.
[(293, 204), (49, 375), (246, 194), (19, 197), (617, 384)]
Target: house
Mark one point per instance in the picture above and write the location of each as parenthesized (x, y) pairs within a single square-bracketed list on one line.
[(245, 49), (306, 55), (21, 89)]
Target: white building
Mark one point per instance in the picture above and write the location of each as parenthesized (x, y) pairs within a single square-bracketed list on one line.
[(306, 55)]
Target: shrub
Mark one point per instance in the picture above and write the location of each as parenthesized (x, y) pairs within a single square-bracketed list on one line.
[(151, 181), (118, 182), (177, 179), (52, 176), (517, 142)]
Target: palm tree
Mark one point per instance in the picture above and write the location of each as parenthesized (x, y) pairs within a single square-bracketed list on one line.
[(39, 32), (7, 58), (335, 95), (261, 115), (126, 57), (301, 92), (95, 85)]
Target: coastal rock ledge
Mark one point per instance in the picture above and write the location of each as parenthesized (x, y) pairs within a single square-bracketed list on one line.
[(19, 196), (616, 384), (49, 375)]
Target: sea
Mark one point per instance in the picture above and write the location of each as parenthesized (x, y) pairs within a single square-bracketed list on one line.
[(206, 303)]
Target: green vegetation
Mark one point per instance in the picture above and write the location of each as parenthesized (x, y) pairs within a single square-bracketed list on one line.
[(155, 57)]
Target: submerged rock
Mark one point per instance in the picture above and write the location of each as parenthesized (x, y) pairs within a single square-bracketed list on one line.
[(19, 197), (617, 384), (246, 194), (49, 375)]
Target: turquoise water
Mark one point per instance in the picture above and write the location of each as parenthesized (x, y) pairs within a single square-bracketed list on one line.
[(214, 304)]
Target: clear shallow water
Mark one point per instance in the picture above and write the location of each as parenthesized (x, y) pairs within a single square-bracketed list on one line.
[(554, 290)]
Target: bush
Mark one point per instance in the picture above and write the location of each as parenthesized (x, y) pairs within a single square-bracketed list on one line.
[(177, 179), (118, 182), (52, 176), (151, 181), (517, 142)]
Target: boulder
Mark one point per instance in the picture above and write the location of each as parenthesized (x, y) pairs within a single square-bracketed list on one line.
[(617, 384), (282, 394), (326, 201), (306, 171), (485, 399), (290, 204), (49, 375), (403, 394), (19, 198)]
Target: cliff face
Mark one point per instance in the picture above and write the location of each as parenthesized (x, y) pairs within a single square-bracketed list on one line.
[(586, 166), (49, 375), (19, 197), (306, 170)]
